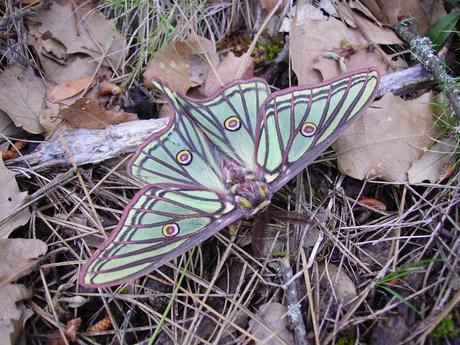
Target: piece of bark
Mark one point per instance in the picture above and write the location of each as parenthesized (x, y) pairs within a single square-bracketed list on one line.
[(96, 145)]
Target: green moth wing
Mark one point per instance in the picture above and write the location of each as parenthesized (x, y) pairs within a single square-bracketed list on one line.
[(229, 117), (190, 196), (177, 154), (296, 125), (160, 223)]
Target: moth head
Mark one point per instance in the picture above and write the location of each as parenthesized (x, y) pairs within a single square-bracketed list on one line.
[(252, 197)]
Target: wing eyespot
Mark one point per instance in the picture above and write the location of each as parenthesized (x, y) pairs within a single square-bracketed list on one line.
[(232, 123), (308, 129), (170, 230), (184, 157)]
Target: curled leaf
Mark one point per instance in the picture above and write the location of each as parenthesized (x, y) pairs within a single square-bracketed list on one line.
[(86, 113)]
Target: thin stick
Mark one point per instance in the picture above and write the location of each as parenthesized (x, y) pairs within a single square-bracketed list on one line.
[(243, 65), (293, 303), (96, 145)]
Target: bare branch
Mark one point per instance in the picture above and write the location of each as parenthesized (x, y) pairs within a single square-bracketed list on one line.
[(96, 145), (422, 48)]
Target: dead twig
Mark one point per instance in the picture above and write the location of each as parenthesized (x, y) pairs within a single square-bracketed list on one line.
[(422, 49), (96, 145), (293, 304)]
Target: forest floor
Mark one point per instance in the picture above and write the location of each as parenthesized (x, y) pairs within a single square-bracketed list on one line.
[(375, 259)]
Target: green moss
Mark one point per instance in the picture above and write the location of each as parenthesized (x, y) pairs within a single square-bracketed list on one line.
[(279, 254), (446, 329), (346, 338), (272, 47)]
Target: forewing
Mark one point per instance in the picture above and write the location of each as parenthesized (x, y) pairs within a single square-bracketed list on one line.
[(160, 223), (296, 125), (229, 117), (180, 154)]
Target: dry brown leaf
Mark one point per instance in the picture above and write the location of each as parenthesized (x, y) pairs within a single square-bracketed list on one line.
[(86, 113), (275, 318), (375, 33), (333, 278), (374, 8), (69, 88), (22, 97), (53, 49), (299, 13), (10, 197), (106, 88), (433, 162), (14, 151), (309, 45), (364, 57), (385, 141), (374, 203), (17, 259), (72, 328), (81, 31), (49, 117), (434, 9), (397, 10), (7, 126), (75, 67), (182, 65), (269, 5), (227, 71), (13, 314)]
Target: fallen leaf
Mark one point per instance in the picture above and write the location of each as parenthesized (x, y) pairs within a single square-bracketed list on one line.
[(385, 141), (13, 314), (431, 165), (18, 257), (269, 5), (182, 65), (333, 279), (365, 57), (49, 117), (17, 260), (55, 337), (434, 9), (375, 33), (374, 8), (69, 88), (10, 197), (299, 13), (22, 97), (106, 88), (81, 30), (275, 318), (74, 67), (309, 45), (374, 203), (13, 152), (397, 10), (7, 127), (86, 113), (72, 328), (227, 71), (52, 49)]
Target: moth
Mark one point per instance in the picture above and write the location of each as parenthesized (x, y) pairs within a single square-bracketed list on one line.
[(221, 159)]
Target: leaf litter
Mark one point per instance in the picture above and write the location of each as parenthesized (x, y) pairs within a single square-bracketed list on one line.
[(78, 44), (19, 256)]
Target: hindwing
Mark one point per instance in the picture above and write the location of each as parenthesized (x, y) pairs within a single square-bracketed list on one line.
[(160, 223)]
